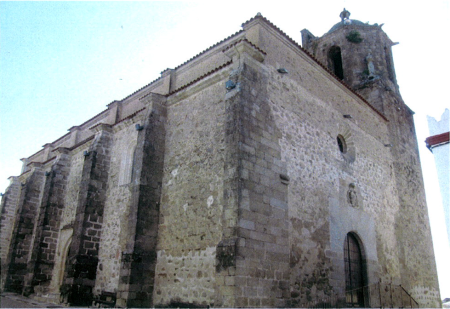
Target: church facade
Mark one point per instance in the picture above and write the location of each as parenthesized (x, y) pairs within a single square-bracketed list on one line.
[(259, 173)]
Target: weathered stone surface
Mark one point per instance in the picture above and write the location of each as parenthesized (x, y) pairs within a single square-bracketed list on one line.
[(9, 212), (187, 193)]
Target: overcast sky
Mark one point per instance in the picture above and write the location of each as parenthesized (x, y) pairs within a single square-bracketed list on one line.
[(62, 62)]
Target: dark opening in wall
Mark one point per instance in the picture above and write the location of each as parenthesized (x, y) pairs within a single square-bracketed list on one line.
[(341, 143), (355, 277), (335, 61)]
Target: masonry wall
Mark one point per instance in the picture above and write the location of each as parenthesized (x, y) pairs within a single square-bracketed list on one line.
[(67, 219), (46, 234), (147, 181), (416, 253), (117, 206), (9, 212), (24, 231), (224, 197), (310, 120), (320, 175), (262, 271), (191, 208), (368, 69)]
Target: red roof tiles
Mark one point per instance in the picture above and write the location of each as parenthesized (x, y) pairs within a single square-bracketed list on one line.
[(437, 140)]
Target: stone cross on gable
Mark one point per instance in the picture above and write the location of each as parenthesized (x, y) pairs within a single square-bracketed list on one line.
[(344, 15)]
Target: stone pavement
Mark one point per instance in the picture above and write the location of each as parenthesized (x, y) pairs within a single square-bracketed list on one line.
[(13, 300)]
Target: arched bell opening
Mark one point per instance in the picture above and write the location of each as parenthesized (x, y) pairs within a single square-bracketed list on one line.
[(335, 61)]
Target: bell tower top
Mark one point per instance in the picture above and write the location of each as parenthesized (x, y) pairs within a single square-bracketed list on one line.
[(357, 53)]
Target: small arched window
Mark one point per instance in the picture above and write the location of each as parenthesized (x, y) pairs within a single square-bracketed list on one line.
[(341, 143), (354, 272), (335, 61)]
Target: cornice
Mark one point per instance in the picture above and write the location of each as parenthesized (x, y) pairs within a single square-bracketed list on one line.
[(200, 78)]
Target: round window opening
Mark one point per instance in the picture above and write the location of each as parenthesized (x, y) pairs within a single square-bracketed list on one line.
[(341, 143)]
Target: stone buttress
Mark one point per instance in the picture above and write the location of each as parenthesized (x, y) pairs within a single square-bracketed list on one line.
[(9, 212), (21, 246), (41, 264), (137, 272), (82, 260), (260, 270)]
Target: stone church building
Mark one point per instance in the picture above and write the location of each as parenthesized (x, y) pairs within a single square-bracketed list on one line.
[(258, 173)]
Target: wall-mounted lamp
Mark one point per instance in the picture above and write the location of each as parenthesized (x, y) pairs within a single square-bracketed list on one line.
[(387, 145), (139, 127), (348, 116), (230, 85), (282, 71), (86, 153)]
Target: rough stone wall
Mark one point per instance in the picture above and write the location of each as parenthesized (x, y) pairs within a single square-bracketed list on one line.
[(41, 264), (226, 250), (415, 245), (73, 168), (137, 277), (310, 109), (118, 199), (29, 202), (73, 185), (320, 174), (191, 205), (82, 258), (262, 253), (8, 220), (235, 198), (406, 257)]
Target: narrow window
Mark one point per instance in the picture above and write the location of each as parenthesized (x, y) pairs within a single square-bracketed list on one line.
[(354, 272), (335, 61), (133, 164), (341, 143)]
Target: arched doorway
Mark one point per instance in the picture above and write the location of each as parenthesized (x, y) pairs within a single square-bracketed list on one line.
[(355, 274), (65, 239), (335, 61)]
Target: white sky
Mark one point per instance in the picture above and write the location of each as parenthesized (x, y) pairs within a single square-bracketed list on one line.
[(62, 62)]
